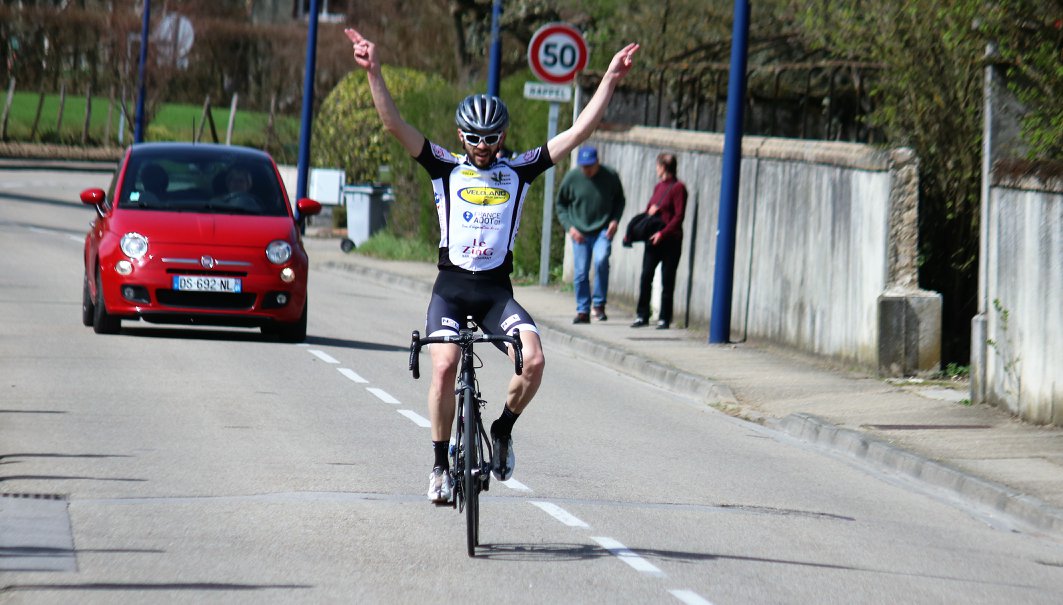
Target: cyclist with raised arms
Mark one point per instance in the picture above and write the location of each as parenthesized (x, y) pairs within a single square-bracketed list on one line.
[(479, 199)]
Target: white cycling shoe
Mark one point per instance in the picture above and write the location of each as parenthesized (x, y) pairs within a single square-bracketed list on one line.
[(440, 486)]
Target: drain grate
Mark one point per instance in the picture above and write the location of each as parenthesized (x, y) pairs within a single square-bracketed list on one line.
[(35, 496), (925, 427)]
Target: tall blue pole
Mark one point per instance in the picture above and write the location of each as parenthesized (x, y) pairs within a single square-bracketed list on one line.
[(494, 67), (308, 103), (138, 131), (723, 280)]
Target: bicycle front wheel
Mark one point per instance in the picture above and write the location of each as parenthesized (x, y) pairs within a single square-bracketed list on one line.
[(471, 480)]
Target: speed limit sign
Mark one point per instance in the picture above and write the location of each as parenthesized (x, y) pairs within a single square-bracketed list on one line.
[(557, 53)]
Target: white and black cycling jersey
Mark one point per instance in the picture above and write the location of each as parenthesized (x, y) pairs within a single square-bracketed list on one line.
[(479, 208)]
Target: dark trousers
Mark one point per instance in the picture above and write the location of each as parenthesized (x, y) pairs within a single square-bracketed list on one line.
[(666, 253)]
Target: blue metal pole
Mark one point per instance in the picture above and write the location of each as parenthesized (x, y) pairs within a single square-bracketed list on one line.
[(723, 280), (494, 67), (308, 103), (138, 131)]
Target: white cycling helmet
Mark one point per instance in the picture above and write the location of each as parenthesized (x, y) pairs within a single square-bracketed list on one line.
[(482, 114)]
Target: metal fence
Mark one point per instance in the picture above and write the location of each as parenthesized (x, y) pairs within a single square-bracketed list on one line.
[(827, 100)]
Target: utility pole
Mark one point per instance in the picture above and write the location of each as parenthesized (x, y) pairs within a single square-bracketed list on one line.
[(308, 102), (494, 67), (727, 225), (138, 131)]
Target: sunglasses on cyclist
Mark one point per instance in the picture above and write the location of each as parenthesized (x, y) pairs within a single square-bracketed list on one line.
[(488, 139)]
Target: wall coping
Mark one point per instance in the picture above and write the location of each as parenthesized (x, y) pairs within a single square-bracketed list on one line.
[(848, 155)]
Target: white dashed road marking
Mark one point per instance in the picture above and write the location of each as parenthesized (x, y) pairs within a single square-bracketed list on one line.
[(418, 419), (323, 356), (512, 483), (689, 597), (352, 375), (382, 395), (627, 556), (560, 514)]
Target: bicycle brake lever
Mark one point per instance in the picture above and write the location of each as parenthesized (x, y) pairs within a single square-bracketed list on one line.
[(415, 349), (518, 353)]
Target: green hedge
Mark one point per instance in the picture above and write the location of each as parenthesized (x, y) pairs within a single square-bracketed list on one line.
[(348, 134)]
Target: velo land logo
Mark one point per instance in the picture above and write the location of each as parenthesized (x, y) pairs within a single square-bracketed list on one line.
[(484, 196)]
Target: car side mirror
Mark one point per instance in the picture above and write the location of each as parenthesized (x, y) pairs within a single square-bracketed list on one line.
[(93, 197), (307, 207)]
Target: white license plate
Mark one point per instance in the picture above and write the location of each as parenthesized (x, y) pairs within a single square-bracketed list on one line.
[(205, 283)]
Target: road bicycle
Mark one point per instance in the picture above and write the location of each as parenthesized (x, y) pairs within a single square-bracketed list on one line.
[(471, 453)]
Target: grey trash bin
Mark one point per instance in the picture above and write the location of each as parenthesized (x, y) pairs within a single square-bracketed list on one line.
[(366, 212)]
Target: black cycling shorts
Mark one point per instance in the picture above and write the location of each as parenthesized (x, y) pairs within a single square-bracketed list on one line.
[(489, 301)]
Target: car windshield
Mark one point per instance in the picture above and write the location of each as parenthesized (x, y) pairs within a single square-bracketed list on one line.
[(204, 182)]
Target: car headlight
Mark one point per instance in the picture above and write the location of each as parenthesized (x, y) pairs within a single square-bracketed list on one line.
[(278, 252), (134, 245)]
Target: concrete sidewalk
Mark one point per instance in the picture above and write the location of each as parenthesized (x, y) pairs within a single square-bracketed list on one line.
[(919, 431)]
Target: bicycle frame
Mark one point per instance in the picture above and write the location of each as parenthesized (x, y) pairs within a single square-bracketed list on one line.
[(471, 454)]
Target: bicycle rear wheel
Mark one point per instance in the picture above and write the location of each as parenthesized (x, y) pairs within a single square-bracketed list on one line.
[(471, 480)]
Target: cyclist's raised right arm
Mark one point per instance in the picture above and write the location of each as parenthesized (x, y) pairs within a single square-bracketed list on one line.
[(366, 58)]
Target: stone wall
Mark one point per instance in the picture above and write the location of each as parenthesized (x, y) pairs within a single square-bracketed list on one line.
[(826, 253)]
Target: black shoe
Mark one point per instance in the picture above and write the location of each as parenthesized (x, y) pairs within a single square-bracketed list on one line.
[(504, 460), (581, 318), (639, 322), (662, 325), (599, 313)]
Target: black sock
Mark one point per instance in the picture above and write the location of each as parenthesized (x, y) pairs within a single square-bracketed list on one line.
[(442, 451), (503, 427)]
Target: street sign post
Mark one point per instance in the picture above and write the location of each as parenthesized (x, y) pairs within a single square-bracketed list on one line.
[(557, 53)]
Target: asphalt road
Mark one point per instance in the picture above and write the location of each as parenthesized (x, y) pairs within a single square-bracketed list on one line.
[(169, 464)]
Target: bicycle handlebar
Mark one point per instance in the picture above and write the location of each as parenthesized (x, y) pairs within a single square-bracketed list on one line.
[(465, 339)]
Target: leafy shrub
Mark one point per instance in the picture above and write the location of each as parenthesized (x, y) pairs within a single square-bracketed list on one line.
[(348, 135)]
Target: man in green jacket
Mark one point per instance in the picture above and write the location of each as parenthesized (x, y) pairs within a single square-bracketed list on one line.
[(589, 205)]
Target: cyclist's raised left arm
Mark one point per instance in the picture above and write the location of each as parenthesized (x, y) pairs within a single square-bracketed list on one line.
[(588, 119)]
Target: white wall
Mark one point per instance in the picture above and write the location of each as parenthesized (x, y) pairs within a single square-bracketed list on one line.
[(1023, 351), (813, 246)]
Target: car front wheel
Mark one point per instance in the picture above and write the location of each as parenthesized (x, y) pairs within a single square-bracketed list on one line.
[(293, 332), (102, 321), (88, 310)]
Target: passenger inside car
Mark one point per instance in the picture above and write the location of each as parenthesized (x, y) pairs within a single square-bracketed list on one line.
[(154, 181)]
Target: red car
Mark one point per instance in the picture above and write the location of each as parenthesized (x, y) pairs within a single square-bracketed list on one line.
[(196, 234)]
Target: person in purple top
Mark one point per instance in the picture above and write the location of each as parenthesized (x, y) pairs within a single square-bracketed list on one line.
[(664, 247)]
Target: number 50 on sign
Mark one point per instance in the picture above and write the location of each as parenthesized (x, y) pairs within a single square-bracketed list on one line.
[(557, 52)]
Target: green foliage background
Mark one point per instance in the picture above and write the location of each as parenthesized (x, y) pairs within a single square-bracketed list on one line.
[(348, 134)]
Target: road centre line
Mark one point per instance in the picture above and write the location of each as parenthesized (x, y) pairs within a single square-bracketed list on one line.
[(513, 484), (323, 356), (352, 375), (382, 395), (560, 514), (689, 597), (616, 548), (418, 419), (626, 555)]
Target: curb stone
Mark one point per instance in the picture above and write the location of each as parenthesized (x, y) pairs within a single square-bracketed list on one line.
[(658, 374), (994, 496)]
